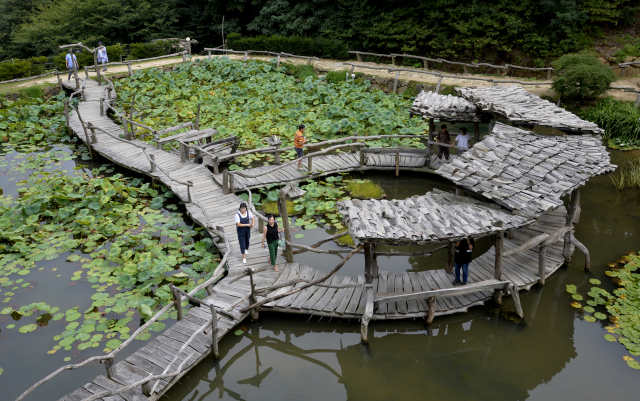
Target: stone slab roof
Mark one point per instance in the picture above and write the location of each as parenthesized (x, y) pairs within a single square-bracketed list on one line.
[(433, 217), (525, 172), (443, 107), (519, 106)]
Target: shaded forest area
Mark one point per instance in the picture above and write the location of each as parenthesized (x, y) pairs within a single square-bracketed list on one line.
[(526, 31)]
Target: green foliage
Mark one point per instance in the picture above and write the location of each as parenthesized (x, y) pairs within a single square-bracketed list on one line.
[(618, 118), (22, 68), (271, 207), (581, 76), (86, 58), (632, 48), (347, 240), (302, 46), (448, 90), (336, 77), (147, 50), (31, 121)]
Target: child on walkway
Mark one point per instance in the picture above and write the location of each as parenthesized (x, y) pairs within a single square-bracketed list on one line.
[(298, 142)]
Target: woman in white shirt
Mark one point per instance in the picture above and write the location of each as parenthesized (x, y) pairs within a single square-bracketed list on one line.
[(244, 223), (463, 140)]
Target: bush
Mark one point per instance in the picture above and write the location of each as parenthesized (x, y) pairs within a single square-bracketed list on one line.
[(301, 46), (336, 77), (618, 118), (581, 76), (22, 68), (303, 71), (147, 50)]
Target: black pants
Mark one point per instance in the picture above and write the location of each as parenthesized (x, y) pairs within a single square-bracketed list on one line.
[(443, 150)]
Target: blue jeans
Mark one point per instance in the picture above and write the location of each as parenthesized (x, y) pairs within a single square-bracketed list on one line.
[(299, 152), (71, 71), (465, 272)]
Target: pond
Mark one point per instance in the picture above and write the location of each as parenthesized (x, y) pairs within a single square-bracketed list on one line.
[(475, 355)]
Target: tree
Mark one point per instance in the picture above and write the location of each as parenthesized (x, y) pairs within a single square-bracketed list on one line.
[(581, 76)]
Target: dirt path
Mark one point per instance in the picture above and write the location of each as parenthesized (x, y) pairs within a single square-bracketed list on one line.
[(541, 88)]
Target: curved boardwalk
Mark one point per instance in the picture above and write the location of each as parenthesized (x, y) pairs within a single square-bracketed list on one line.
[(232, 293)]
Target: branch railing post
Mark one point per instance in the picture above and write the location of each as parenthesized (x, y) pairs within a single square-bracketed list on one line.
[(129, 69), (499, 249), (177, 301), (310, 163), (232, 187), (542, 261), (225, 182), (397, 164), (94, 137), (574, 204), (102, 106), (282, 208), (152, 162), (252, 297), (214, 332), (111, 370), (146, 389), (189, 186)]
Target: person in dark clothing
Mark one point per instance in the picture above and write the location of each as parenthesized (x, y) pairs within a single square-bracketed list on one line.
[(270, 233), (244, 223), (443, 137), (464, 249)]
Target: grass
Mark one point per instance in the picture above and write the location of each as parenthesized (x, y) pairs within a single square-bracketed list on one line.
[(272, 208), (364, 189), (627, 176), (336, 77), (618, 118), (303, 71)]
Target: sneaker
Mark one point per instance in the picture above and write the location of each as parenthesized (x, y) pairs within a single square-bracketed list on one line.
[(244, 260), (104, 69), (465, 283), (456, 281), (246, 251)]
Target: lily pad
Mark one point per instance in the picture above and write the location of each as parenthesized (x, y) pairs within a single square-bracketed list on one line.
[(28, 328), (576, 305), (595, 281), (577, 297), (589, 318), (589, 309), (600, 315), (609, 337), (571, 289)]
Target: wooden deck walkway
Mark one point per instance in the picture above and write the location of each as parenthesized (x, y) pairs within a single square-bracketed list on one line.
[(232, 293)]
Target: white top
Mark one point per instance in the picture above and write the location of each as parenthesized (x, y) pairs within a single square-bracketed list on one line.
[(244, 216), (463, 140), (102, 54)]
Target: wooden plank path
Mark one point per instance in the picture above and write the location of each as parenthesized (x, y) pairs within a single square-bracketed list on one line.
[(331, 164), (231, 294)]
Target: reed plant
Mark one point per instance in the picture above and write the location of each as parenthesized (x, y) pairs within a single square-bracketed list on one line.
[(620, 119), (627, 176)]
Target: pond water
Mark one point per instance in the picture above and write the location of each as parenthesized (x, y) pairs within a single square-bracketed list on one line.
[(472, 356)]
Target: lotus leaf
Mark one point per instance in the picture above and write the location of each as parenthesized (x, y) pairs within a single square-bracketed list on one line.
[(576, 305), (589, 318), (600, 315), (571, 289), (577, 297), (144, 335)]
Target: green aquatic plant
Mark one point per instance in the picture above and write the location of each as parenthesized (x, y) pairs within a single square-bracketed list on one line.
[(619, 119), (622, 306), (31, 120), (627, 176), (257, 101), (364, 189)]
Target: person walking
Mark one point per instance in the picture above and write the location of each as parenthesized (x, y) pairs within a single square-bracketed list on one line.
[(102, 55), (72, 64), (464, 250), (270, 233), (444, 138), (244, 223), (298, 143), (462, 140)]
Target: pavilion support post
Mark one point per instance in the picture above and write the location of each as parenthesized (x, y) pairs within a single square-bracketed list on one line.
[(368, 312), (252, 297), (397, 164), (542, 262), (574, 204), (450, 256), (432, 309), (499, 249), (476, 132), (177, 302), (432, 135), (368, 263), (459, 190), (282, 209), (374, 262)]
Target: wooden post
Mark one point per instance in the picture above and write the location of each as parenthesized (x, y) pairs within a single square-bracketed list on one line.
[(374, 262), (184, 58), (542, 262), (574, 204), (476, 132), (282, 209), (252, 297), (225, 182), (153, 165), (276, 154), (260, 225), (209, 289), (368, 312), (438, 85), (59, 81), (95, 63), (432, 309), (395, 82), (425, 64), (146, 389), (232, 183), (368, 276), (638, 100), (209, 54), (196, 126), (310, 162), (111, 370), (459, 190), (176, 301), (66, 115), (499, 249), (190, 184), (354, 147), (393, 60), (278, 61), (451, 252), (358, 56), (94, 138), (214, 332), (397, 164), (125, 124), (432, 135), (548, 75), (129, 69), (183, 154)]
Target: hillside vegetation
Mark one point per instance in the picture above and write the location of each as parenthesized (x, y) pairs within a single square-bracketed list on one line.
[(528, 31)]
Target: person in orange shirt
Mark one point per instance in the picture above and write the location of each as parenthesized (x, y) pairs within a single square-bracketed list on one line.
[(298, 142)]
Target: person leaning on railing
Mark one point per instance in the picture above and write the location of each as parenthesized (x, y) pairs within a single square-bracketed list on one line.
[(444, 138), (462, 140)]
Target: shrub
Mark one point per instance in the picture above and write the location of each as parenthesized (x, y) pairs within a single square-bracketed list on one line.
[(618, 118), (301, 46), (147, 50), (581, 76), (34, 92), (303, 71), (336, 77), (16, 69)]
